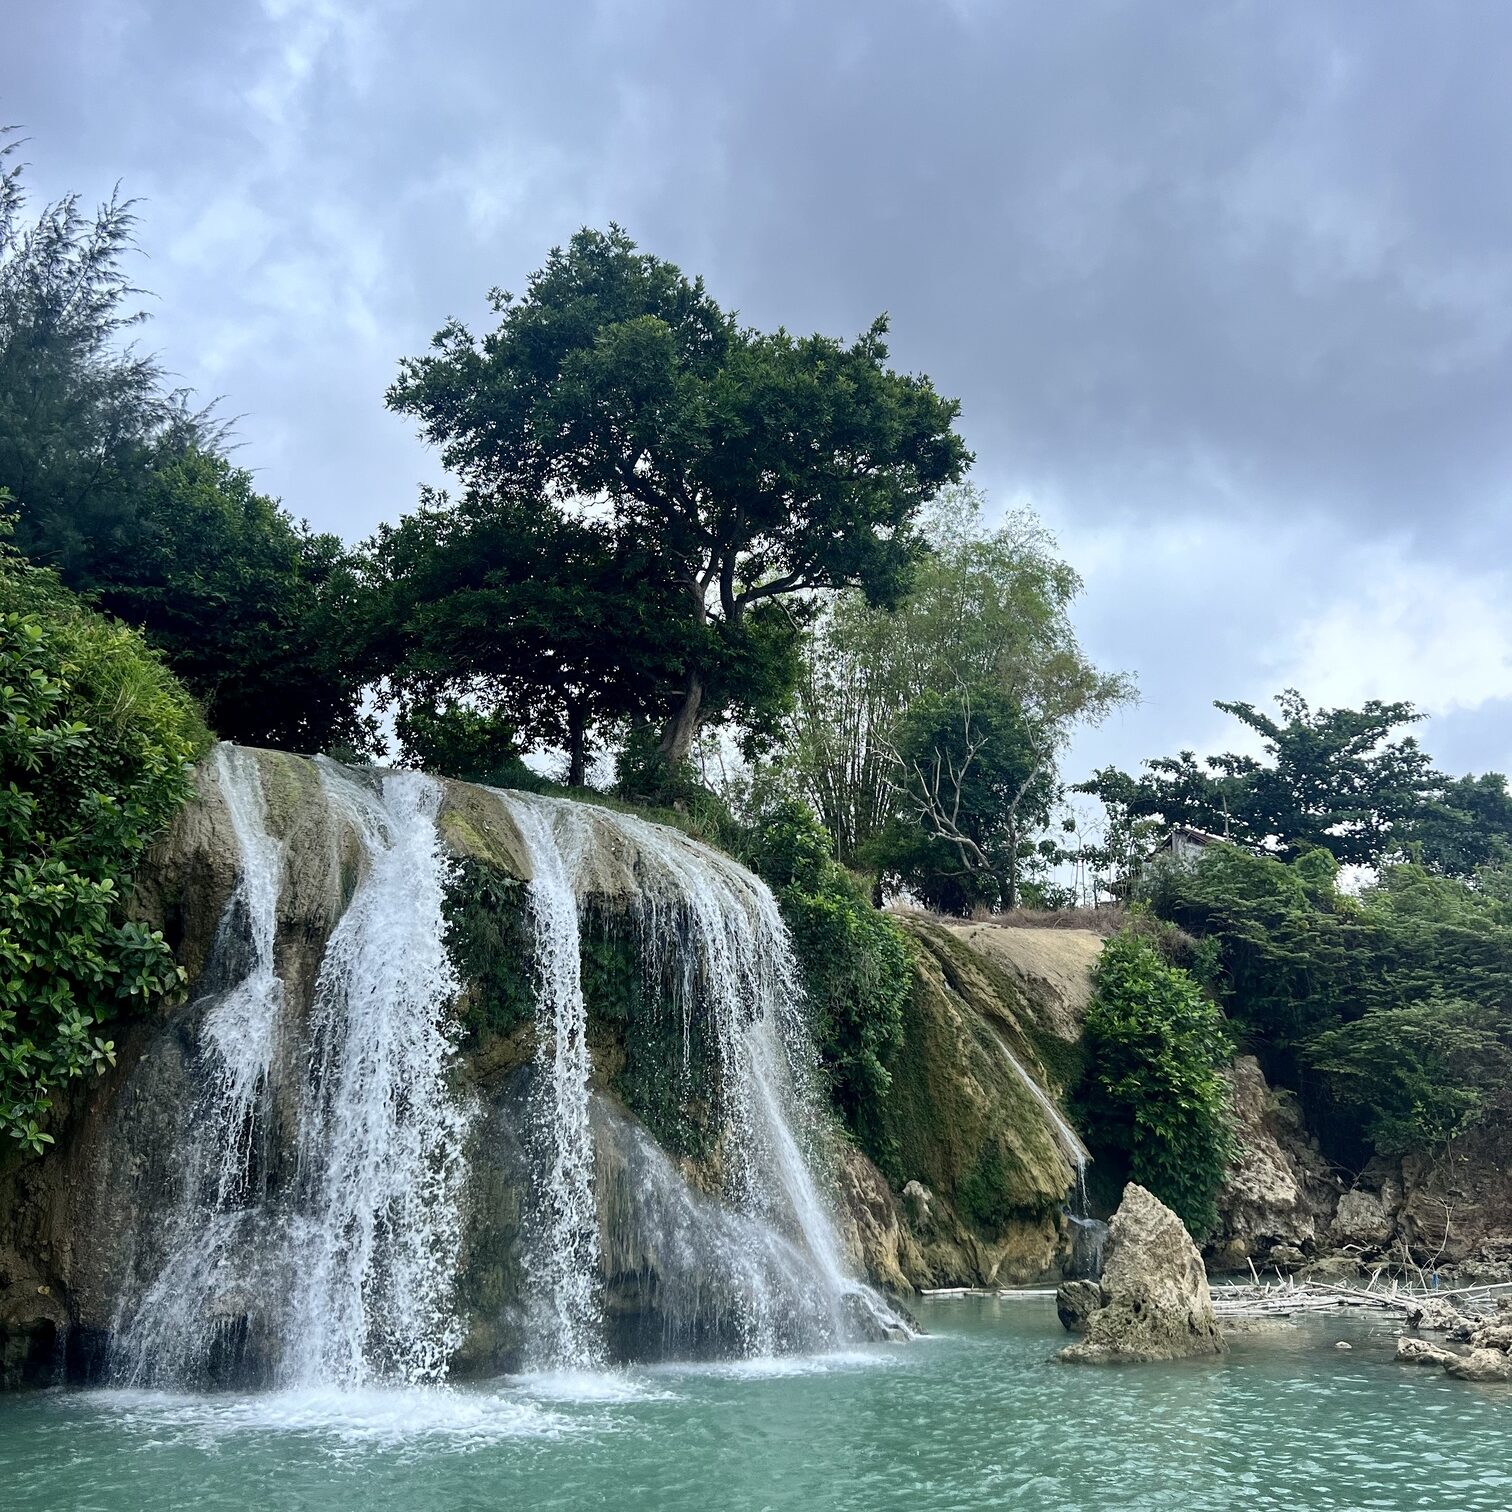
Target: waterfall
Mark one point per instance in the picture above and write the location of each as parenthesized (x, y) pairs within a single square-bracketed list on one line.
[(562, 1242), (381, 1140), (713, 932), (334, 1262), (297, 1149), (186, 1317)]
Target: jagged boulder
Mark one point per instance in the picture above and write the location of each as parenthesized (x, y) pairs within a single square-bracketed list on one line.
[(1436, 1315), (1075, 1302), (1364, 1218), (1481, 1365), (1278, 1193), (1157, 1302)]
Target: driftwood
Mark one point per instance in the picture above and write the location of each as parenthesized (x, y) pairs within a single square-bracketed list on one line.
[(1286, 1296)]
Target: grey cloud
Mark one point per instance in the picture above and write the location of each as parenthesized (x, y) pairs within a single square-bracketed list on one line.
[(1246, 264)]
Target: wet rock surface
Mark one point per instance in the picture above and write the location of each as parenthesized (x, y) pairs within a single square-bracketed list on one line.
[(1075, 1302)]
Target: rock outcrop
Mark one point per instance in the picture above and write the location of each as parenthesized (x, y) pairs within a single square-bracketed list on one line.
[(1156, 1301), (1414, 1351), (984, 1172), (1276, 1198), (1075, 1302), (877, 1240)]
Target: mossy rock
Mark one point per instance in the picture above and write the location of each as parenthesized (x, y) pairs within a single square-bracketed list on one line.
[(963, 1121), (475, 825)]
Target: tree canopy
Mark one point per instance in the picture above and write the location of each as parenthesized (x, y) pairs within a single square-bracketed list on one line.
[(753, 466), (1330, 778), (547, 626), (123, 488), (927, 734)]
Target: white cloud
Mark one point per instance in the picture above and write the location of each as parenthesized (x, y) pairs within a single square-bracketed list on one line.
[(1408, 629)]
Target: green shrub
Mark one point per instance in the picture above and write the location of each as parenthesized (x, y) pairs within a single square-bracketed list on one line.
[(856, 965), (95, 736), (489, 939), (1153, 1099)]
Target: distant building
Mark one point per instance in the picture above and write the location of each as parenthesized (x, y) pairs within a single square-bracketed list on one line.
[(1184, 845)]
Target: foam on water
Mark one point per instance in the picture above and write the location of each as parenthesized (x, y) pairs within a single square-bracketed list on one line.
[(342, 1414)]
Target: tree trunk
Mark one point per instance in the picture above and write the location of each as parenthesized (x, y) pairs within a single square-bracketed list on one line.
[(1010, 883), (682, 729), (577, 746)]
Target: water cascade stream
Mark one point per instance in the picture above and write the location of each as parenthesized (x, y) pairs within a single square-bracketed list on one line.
[(332, 1264), (712, 932), (562, 1242)]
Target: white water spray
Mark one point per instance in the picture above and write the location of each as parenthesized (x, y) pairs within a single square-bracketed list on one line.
[(562, 1242), (338, 1264), (382, 1139)]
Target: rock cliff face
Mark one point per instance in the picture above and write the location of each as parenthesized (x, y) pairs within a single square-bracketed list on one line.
[(1156, 1302), (984, 1158), (1279, 1195)]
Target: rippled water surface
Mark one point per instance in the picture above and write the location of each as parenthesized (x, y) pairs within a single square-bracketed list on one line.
[(972, 1416)]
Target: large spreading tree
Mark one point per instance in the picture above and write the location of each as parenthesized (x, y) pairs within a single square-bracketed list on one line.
[(755, 467)]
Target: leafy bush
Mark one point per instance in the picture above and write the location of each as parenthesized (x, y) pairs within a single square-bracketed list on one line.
[(1387, 1013), (1153, 1097), (856, 964), (95, 735)]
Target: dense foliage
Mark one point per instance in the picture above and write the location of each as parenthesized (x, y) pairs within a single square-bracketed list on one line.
[(545, 629), (94, 737), (1153, 1100), (753, 467), (1331, 779), (856, 964), (1388, 1012), (121, 488)]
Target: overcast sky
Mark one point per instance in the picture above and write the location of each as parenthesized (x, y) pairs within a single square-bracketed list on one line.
[(1225, 289)]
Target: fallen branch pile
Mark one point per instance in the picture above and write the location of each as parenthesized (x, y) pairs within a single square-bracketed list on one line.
[(1286, 1296)]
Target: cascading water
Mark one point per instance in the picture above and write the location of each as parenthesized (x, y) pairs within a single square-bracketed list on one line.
[(187, 1316), (381, 1142), (562, 1243), (337, 1266), (713, 933)]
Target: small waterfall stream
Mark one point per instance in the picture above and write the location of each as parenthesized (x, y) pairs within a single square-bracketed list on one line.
[(182, 1322), (562, 1242)]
